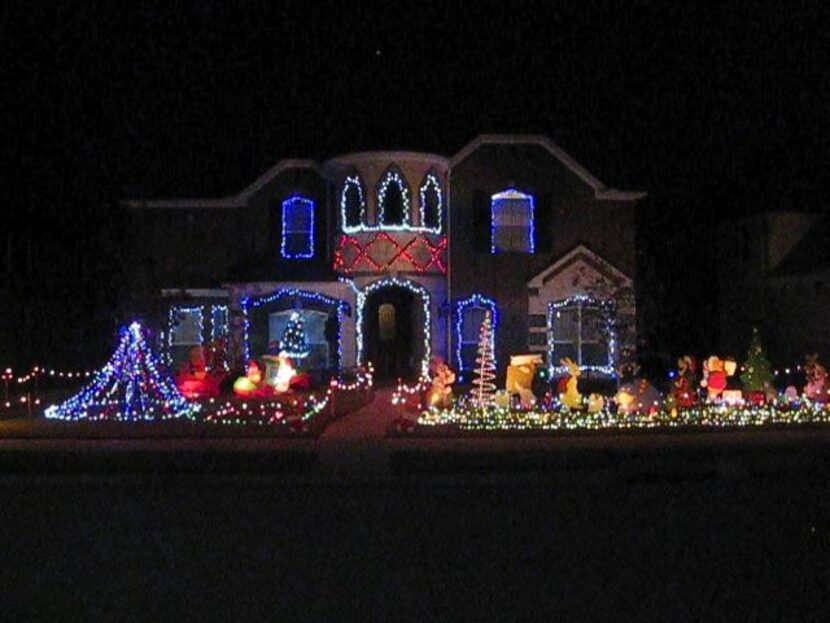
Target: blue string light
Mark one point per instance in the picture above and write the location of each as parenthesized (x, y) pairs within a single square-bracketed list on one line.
[(471, 302), (129, 387), (297, 209), (247, 303), (512, 195)]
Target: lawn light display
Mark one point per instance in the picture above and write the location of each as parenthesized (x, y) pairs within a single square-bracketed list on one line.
[(131, 386)]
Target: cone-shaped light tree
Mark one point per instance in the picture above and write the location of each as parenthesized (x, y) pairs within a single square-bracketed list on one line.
[(484, 387), (293, 341), (757, 375), (131, 386)]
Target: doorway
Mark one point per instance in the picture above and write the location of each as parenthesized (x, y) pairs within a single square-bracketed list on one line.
[(393, 333)]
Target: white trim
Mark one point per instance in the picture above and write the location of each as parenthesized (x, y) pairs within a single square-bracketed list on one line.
[(601, 191), (537, 281)]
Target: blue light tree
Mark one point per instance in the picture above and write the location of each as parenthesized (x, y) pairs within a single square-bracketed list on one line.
[(131, 386)]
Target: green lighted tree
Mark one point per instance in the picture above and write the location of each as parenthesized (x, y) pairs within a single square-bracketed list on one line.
[(757, 375)]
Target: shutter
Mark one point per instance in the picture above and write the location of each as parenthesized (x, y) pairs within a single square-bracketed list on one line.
[(481, 222), (544, 223)]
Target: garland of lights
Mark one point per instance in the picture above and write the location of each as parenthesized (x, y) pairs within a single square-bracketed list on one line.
[(400, 252), (608, 309), (467, 417), (129, 387), (430, 181), (315, 297), (473, 301), (297, 202), (412, 287), (511, 194)]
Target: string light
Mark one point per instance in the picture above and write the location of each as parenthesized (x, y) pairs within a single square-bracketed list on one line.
[(181, 311), (129, 387), (512, 195), (314, 297), (399, 252), (471, 302), (297, 222), (412, 287), (221, 328), (607, 309), (430, 183), (352, 183)]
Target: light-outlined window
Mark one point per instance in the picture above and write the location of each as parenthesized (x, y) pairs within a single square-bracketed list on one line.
[(469, 316), (431, 203), (511, 222), (393, 201), (297, 228), (186, 324), (218, 322), (581, 329), (352, 204)]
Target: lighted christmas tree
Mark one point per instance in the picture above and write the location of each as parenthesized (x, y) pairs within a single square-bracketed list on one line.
[(757, 375), (293, 341), (483, 394), (129, 387)]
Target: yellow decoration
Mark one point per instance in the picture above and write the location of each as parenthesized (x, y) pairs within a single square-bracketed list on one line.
[(596, 403), (440, 393), (520, 375), (571, 398)]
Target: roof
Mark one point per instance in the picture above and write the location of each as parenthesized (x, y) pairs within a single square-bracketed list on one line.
[(601, 191), (810, 255)]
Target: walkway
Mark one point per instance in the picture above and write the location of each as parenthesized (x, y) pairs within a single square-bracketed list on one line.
[(355, 445)]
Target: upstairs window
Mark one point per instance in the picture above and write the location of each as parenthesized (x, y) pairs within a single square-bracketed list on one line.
[(511, 221), (352, 204), (393, 200), (297, 228), (431, 203)]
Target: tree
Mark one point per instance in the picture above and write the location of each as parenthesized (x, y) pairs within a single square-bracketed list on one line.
[(757, 375), (131, 386), (484, 392), (293, 341)]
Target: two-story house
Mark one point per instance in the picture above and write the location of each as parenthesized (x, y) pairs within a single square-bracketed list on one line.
[(393, 257)]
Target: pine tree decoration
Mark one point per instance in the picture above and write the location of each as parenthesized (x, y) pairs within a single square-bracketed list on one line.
[(757, 375), (293, 341), (129, 387), (483, 394)]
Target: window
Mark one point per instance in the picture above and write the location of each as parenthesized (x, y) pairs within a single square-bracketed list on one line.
[(314, 324), (511, 220), (186, 326), (431, 203), (352, 204), (469, 316), (297, 228), (393, 200), (218, 322), (580, 329)]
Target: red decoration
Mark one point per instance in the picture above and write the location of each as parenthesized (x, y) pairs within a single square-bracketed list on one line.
[(364, 259)]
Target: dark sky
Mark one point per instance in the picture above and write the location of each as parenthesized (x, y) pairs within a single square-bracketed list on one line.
[(716, 112)]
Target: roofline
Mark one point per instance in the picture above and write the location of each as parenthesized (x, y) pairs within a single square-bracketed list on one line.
[(569, 255), (601, 191), (236, 201)]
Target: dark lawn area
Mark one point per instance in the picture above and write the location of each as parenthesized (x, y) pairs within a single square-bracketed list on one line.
[(593, 543)]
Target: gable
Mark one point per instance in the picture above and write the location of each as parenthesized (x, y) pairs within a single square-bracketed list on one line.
[(579, 272)]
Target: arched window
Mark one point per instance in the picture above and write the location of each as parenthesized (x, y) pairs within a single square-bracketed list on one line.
[(352, 204), (297, 228), (469, 315), (393, 200), (430, 195), (512, 227)]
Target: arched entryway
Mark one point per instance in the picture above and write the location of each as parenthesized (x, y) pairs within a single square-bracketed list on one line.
[(393, 316)]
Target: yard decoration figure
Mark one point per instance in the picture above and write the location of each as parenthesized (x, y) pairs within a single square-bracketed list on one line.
[(520, 375), (571, 398), (683, 388), (715, 373), (194, 380), (248, 385), (636, 395), (816, 388), (439, 395)]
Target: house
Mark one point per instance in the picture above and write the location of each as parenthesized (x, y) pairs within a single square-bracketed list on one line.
[(394, 256), (777, 278)]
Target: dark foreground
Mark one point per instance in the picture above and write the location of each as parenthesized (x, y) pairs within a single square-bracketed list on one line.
[(644, 538)]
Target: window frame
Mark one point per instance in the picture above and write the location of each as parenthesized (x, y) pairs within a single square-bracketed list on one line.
[(606, 309), (291, 202), (513, 194)]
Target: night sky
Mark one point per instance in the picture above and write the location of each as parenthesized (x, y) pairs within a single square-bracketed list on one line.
[(716, 112)]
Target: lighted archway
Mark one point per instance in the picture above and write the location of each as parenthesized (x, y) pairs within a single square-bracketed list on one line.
[(413, 287)]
